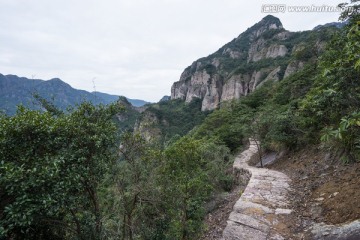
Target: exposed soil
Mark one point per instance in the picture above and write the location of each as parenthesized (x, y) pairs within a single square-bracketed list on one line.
[(216, 220), (325, 189)]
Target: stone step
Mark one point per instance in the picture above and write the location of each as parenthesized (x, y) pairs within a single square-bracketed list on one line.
[(261, 208)]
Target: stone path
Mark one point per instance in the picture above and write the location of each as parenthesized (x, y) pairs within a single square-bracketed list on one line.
[(263, 209)]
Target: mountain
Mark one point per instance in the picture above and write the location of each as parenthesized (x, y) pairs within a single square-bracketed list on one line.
[(264, 52), (302, 125), (111, 98), (16, 90), (137, 102), (332, 24), (165, 98)]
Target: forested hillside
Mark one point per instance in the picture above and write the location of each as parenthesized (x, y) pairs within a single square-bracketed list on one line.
[(77, 175), (263, 55), (16, 90), (317, 103)]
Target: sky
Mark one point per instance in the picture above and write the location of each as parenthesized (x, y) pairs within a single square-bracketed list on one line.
[(135, 48)]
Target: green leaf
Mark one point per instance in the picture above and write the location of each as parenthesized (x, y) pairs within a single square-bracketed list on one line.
[(357, 64)]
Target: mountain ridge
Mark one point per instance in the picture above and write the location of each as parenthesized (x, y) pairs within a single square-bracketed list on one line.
[(15, 90), (264, 52)]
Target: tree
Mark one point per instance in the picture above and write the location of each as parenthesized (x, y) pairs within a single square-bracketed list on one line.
[(186, 179), (51, 168), (133, 193), (335, 99), (352, 11), (255, 128)]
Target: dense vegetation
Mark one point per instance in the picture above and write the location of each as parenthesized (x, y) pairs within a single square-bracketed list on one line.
[(71, 176), (333, 103), (169, 120), (51, 169), (270, 114), (62, 176), (125, 120), (321, 102)]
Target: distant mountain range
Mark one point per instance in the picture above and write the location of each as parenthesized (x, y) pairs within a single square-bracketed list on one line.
[(332, 24), (16, 90)]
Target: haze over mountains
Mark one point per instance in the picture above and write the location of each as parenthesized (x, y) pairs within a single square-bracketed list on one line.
[(16, 90)]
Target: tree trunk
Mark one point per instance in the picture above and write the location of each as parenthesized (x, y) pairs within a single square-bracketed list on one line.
[(258, 146), (124, 227)]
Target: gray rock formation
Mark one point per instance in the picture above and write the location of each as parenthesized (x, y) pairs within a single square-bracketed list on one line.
[(213, 93), (259, 51), (165, 99), (293, 67), (236, 86), (264, 52), (321, 231), (146, 127), (274, 75)]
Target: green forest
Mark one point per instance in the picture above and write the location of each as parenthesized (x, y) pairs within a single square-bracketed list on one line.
[(80, 174)]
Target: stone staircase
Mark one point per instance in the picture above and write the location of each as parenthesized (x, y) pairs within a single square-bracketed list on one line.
[(262, 212)]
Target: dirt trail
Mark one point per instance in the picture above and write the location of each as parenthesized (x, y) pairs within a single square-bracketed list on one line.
[(325, 196)]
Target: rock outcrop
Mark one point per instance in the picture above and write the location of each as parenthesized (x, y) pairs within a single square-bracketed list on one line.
[(264, 52), (146, 127), (293, 67), (321, 231), (259, 51)]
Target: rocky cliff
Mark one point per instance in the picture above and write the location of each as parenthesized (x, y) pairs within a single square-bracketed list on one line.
[(264, 52)]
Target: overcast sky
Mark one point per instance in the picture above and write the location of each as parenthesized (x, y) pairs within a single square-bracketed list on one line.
[(136, 48)]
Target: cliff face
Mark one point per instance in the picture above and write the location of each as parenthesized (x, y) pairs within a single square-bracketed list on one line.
[(147, 127), (264, 52)]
